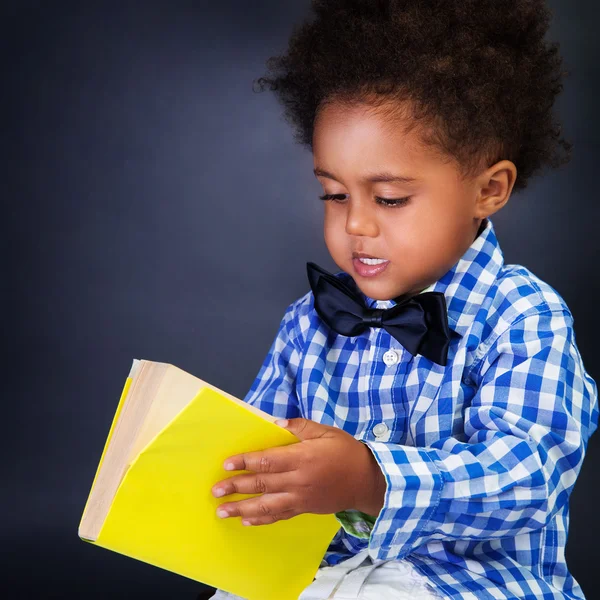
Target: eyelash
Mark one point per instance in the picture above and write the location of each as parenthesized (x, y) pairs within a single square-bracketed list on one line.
[(385, 201)]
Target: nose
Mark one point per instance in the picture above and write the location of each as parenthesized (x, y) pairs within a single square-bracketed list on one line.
[(360, 219)]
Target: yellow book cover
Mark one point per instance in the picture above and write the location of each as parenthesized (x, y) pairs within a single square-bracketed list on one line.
[(151, 495)]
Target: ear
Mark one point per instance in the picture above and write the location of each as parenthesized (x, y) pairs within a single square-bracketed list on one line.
[(495, 187)]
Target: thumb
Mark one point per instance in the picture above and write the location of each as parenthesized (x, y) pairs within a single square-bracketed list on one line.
[(305, 429)]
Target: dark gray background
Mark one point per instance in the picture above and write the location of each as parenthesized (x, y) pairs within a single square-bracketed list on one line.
[(155, 207)]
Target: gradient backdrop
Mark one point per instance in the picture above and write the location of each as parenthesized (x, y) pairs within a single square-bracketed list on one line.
[(156, 207)]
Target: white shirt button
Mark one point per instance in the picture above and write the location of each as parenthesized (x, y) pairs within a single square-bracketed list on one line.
[(380, 429), (390, 358)]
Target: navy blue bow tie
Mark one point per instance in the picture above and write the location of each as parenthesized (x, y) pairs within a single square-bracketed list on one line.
[(419, 323)]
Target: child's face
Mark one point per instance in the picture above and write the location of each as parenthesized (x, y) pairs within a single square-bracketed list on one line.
[(421, 239)]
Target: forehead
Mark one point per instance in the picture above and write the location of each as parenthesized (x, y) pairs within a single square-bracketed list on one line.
[(351, 134)]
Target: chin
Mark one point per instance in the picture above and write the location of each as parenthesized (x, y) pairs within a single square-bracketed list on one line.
[(376, 292)]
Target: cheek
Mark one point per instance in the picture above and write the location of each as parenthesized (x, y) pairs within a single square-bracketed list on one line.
[(331, 239), (335, 235), (330, 225), (411, 240)]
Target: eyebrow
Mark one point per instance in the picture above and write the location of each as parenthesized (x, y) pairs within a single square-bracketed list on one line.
[(383, 177)]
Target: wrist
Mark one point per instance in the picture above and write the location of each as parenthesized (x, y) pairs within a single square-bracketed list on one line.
[(372, 487)]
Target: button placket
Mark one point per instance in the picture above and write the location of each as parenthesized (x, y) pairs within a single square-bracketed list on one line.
[(381, 432)]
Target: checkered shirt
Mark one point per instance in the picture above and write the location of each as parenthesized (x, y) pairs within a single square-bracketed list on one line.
[(479, 456)]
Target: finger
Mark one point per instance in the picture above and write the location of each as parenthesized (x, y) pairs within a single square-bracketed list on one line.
[(271, 460), (283, 516), (263, 506), (253, 483)]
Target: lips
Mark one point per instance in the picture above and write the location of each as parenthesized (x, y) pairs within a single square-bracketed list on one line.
[(369, 270), (363, 255)]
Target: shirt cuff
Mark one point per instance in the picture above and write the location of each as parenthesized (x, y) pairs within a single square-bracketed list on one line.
[(413, 493)]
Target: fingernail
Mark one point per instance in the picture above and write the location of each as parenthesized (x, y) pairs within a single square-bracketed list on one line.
[(282, 422), (229, 466), (221, 512), (219, 492), (246, 523)]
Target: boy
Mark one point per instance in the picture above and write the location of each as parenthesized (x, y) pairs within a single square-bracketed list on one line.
[(445, 434)]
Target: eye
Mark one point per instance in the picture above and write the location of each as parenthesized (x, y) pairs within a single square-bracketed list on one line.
[(392, 202), (335, 197)]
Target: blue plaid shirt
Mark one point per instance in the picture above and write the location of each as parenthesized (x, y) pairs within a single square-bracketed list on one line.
[(479, 456)]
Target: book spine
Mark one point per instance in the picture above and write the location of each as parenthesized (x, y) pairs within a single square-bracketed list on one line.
[(124, 393)]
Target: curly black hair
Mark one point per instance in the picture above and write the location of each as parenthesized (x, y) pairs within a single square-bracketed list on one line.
[(477, 75)]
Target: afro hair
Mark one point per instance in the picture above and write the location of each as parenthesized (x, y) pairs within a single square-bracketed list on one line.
[(476, 75)]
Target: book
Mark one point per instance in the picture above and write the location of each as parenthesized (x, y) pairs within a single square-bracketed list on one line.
[(151, 495)]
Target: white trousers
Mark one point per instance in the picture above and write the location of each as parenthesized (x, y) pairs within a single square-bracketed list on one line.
[(357, 578)]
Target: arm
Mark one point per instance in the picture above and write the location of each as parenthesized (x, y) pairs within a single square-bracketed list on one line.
[(526, 432), (273, 389)]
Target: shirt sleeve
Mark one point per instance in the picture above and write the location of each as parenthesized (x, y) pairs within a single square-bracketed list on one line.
[(274, 388), (525, 431)]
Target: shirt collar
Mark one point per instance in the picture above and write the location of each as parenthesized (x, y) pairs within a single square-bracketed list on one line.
[(465, 285)]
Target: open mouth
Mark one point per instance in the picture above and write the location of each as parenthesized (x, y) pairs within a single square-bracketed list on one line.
[(373, 261), (369, 267)]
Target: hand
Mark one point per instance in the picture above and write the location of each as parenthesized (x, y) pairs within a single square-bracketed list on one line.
[(326, 472)]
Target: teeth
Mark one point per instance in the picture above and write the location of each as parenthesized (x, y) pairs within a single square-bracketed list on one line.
[(372, 261)]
